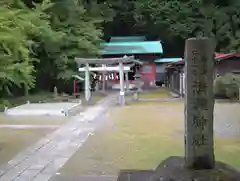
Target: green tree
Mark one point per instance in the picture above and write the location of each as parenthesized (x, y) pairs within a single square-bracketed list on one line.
[(16, 66), (82, 34)]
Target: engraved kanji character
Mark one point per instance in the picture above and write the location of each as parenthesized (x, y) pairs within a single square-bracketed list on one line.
[(200, 103), (199, 87), (199, 122), (199, 140)]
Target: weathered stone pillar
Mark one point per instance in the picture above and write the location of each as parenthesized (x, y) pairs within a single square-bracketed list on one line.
[(199, 103)]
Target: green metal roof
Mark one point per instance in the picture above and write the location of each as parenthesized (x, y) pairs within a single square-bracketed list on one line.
[(127, 38), (165, 60), (125, 48)]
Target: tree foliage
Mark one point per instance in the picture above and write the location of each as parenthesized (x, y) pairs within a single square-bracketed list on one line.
[(17, 24), (39, 39), (175, 20)]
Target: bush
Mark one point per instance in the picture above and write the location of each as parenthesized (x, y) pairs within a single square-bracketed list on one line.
[(3, 104), (227, 86), (219, 88)]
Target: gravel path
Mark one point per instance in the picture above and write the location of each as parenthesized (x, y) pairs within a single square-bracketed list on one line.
[(226, 120)]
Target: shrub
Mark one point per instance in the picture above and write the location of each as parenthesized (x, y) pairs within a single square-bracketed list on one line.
[(227, 86), (3, 104), (219, 88)]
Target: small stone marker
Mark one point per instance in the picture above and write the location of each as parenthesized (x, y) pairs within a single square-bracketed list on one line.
[(199, 103), (5, 109), (55, 91), (138, 83)]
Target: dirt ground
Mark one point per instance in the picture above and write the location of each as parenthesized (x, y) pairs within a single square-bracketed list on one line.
[(141, 135)]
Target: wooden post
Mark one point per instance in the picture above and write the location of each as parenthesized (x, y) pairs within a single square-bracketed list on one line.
[(239, 94), (87, 84), (103, 80), (199, 103), (172, 82), (26, 92), (122, 93), (75, 88), (181, 85)]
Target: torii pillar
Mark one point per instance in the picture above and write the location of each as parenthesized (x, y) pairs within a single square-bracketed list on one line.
[(87, 84), (122, 92)]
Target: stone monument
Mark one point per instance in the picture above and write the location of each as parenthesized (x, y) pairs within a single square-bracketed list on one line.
[(199, 103), (138, 83), (199, 163), (55, 92)]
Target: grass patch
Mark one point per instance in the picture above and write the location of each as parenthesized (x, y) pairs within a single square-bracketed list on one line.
[(159, 93), (227, 150), (14, 141), (140, 136)]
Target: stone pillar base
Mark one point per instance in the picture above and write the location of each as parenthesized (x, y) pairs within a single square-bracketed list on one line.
[(172, 169)]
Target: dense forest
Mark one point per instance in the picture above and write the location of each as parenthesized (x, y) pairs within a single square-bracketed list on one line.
[(40, 38)]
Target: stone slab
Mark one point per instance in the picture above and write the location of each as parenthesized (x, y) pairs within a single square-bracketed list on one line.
[(42, 109), (172, 169)]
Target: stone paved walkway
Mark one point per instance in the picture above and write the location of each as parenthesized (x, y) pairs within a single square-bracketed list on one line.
[(42, 160)]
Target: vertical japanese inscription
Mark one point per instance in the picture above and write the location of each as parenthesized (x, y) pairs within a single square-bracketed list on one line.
[(199, 104), (199, 99)]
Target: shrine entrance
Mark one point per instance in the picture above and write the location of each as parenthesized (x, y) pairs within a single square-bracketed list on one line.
[(107, 65)]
